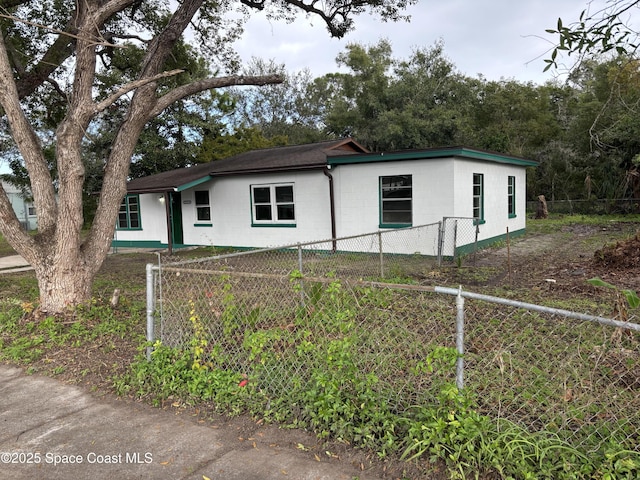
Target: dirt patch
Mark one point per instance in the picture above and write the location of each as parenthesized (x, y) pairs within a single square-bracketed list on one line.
[(622, 255), (558, 263)]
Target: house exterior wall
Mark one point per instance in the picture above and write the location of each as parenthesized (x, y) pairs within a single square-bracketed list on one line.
[(358, 193), (231, 211), (358, 203), (496, 214), (23, 209), (441, 187), (153, 224)]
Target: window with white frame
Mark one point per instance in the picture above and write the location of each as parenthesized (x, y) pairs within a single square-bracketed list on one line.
[(478, 197), (129, 213), (273, 204), (511, 196), (203, 209), (396, 194)]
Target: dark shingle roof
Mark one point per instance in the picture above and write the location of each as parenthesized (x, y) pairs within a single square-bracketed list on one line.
[(295, 157)]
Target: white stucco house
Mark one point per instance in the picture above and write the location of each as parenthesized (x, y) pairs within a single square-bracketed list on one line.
[(285, 195), (22, 206)]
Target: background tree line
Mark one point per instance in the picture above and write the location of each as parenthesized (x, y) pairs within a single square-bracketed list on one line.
[(584, 131)]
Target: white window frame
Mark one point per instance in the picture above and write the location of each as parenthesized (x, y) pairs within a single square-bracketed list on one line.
[(478, 198), (277, 218), (511, 196)]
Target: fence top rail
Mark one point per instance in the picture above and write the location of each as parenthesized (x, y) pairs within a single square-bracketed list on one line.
[(295, 245), (419, 288), (539, 308)]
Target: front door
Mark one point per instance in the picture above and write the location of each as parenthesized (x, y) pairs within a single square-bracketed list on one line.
[(175, 213)]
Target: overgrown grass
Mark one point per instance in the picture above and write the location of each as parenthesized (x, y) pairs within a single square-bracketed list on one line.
[(5, 248), (369, 367), (372, 368)]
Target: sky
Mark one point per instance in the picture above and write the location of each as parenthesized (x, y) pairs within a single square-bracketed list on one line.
[(498, 39), (495, 38)]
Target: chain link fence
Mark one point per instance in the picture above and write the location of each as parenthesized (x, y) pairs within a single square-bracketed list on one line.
[(589, 207), (291, 319), (385, 254)]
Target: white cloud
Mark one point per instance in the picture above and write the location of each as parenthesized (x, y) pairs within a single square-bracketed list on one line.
[(495, 38)]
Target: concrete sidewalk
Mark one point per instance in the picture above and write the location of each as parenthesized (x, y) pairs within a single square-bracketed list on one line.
[(56, 431), (14, 263)]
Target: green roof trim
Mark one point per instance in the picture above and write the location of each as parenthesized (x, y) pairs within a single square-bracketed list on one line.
[(460, 152), (193, 183)]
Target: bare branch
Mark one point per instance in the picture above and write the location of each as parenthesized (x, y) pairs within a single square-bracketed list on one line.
[(208, 84), (130, 87), (65, 33)]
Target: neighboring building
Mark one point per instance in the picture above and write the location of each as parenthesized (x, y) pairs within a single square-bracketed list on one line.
[(22, 206), (286, 195)]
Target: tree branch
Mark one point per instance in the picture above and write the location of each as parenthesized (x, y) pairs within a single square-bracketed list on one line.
[(207, 84), (12, 229), (104, 104), (62, 48), (28, 144)]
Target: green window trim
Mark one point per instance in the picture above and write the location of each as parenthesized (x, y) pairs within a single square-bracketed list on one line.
[(129, 216), (395, 193), (511, 196), (478, 199), (203, 207), (276, 225), (203, 224), (273, 205)]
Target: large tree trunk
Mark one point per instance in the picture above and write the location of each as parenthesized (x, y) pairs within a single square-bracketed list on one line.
[(63, 286), (65, 265)]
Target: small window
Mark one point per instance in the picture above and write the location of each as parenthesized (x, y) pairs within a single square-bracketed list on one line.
[(478, 197), (511, 196), (129, 213), (273, 204), (203, 209), (31, 210), (396, 207)]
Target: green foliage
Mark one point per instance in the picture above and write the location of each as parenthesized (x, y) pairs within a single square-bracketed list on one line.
[(243, 139), (291, 112), (630, 295), (171, 374), (24, 339), (599, 32), (336, 396)]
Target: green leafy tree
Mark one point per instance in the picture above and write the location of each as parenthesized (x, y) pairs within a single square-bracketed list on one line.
[(293, 109), (391, 104), (244, 139), (55, 57), (605, 45), (514, 118)]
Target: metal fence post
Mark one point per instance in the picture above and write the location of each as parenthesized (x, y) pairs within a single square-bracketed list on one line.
[(301, 277), (150, 309), (460, 339), (455, 239), (381, 254), (441, 226)]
